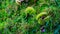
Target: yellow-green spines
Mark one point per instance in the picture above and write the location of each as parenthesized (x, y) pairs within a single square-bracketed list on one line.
[(30, 10), (42, 18), (41, 22), (41, 14), (47, 18)]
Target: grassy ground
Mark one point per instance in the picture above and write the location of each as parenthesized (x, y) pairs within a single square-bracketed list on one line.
[(40, 17)]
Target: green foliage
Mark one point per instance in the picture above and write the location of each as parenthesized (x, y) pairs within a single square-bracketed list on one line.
[(32, 17), (3, 25)]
